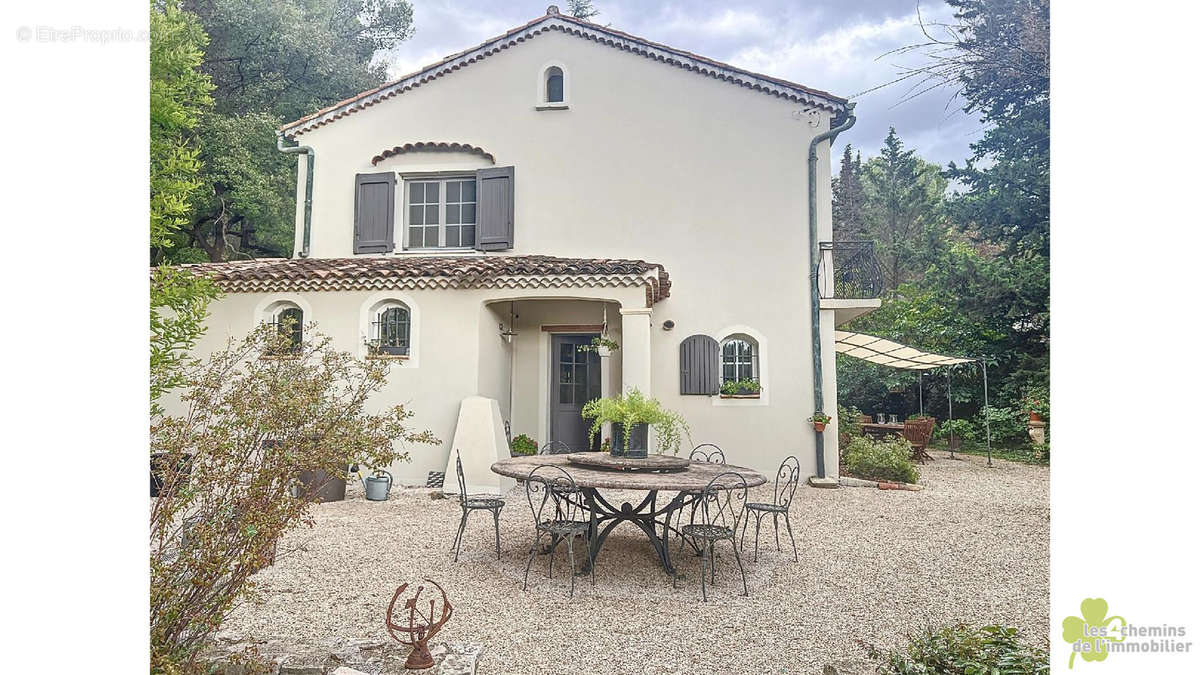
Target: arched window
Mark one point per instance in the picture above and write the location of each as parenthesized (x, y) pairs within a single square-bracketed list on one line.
[(288, 319), (390, 331), (554, 85), (739, 362)]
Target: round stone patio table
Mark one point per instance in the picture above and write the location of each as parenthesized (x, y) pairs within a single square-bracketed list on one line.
[(653, 520)]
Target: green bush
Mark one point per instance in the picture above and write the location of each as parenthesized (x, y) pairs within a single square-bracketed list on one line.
[(523, 445), (849, 426), (1008, 426), (964, 650), (887, 459), (963, 429)]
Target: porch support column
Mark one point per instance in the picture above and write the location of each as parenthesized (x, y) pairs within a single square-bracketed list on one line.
[(635, 349)]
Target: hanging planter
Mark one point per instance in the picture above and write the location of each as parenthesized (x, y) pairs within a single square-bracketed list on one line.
[(819, 420)]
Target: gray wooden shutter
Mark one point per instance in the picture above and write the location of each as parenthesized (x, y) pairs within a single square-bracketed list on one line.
[(494, 224), (699, 365), (374, 212)]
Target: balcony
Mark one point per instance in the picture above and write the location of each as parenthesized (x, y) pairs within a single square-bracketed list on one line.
[(850, 278)]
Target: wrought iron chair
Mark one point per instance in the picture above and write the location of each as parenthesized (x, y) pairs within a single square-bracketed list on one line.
[(708, 453), (471, 503), (722, 505), (549, 486), (554, 448), (786, 481)]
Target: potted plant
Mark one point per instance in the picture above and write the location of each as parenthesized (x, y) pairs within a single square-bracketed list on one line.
[(740, 388), (523, 446), (376, 349), (602, 346), (1037, 403), (632, 415), (819, 420)]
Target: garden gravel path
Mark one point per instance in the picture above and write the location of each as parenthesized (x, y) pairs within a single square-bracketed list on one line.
[(972, 546)]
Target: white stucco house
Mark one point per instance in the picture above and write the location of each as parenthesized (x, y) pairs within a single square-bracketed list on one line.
[(481, 219)]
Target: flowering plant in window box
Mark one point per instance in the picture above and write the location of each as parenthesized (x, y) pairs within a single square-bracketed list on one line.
[(819, 420), (745, 387), (377, 350)]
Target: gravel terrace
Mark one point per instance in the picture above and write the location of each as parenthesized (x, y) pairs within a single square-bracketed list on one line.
[(973, 546)]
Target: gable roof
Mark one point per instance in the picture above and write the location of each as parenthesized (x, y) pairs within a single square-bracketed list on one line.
[(552, 20)]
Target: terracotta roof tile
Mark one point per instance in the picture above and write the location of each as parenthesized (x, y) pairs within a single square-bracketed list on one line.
[(587, 30), (447, 272)]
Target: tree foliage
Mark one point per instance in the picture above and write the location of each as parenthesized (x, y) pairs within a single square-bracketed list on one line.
[(228, 465), (179, 97), (582, 9), (980, 286), (271, 62)]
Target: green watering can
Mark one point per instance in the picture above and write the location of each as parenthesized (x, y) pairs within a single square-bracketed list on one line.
[(377, 485)]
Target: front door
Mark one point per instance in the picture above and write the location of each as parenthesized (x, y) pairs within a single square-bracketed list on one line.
[(575, 380)]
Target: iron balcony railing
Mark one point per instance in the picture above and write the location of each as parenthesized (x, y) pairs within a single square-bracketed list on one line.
[(849, 269)]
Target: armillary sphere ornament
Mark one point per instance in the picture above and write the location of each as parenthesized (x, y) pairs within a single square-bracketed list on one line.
[(420, 626)]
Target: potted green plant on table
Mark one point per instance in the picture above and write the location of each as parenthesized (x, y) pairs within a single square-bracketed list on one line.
[(819, 420), (744, 388), (522, 446), (632, 415)]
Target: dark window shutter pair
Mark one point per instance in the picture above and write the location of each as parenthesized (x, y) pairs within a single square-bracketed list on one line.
[(494, 217), (374, 212), (699, 366)]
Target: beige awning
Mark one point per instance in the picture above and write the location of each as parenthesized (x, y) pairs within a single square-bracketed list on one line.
[(888, 353)]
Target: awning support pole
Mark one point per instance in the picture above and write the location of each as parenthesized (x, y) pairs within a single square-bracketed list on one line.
[(950, 402), (987, 422)]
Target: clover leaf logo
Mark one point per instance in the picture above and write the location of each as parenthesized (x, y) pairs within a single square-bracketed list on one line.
[(1091, 631)]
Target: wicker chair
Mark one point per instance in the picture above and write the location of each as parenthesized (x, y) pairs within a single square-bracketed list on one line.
[(470, 503), (917, 432)]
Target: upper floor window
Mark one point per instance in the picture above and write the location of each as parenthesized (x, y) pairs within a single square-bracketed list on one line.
[(390, 331), (442, 213), (288, 320), (554, 85)]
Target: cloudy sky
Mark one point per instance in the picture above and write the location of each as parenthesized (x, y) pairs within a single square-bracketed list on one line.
[(835, 45)]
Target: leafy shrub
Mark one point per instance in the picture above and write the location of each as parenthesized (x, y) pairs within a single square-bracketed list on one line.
[(849, 425), (228, 466), (634, 408), (963, 650), (963, 429), (1037, 400), (886, 459), (1008, 426), (523, 445)]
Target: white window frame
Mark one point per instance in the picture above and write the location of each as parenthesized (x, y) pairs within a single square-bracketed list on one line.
[(542, 101), (757, 340), (441, 181)]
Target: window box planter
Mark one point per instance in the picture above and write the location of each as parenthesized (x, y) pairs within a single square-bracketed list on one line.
[(741, 389), (754, 395)]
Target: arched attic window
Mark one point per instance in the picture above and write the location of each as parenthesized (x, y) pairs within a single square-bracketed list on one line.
[(288, 320), (554, 85)]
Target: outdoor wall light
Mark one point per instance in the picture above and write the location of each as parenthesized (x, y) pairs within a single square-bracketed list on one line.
[(668, 324)]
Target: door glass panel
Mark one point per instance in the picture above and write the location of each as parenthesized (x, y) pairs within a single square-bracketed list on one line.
[(564, 394)]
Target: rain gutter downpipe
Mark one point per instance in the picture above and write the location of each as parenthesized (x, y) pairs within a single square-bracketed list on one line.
[(308, 185), (814, 271)]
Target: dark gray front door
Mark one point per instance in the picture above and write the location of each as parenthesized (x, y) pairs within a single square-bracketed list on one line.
[(575, 380)]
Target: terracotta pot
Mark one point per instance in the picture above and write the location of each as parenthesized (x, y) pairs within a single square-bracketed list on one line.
[(819, 426), (1035, 417)]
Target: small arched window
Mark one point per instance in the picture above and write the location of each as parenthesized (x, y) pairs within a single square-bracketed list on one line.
[(391, 331), (739, 360), (554, 85), (289, 322)]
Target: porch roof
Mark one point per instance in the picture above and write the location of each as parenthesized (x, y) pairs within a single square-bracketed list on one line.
[(433, 272)]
